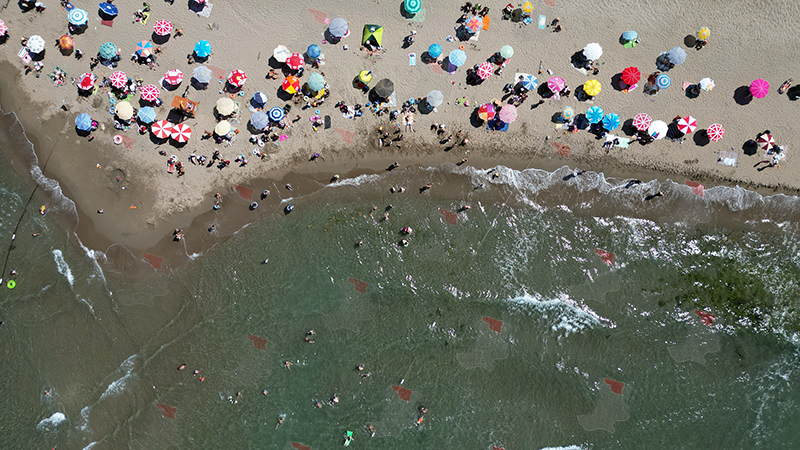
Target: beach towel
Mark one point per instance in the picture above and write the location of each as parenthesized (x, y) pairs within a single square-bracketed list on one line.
[(623, 142), (492, 125), (412, 59), (686, 85), (171, 168), (629, 44), (146, 16), (542, 22), (109, 23), (486, 23), (206, 12), (475, 36), (728, 158)]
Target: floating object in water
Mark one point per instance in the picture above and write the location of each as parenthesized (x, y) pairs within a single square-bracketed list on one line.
[(265, 194), (289, 208), (348, 438), (403, 243), (253, 205), (42, 210)]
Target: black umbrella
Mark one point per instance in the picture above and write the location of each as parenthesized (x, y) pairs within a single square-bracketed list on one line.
[(384, 88)]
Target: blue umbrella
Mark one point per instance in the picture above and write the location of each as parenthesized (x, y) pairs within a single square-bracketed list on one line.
[(315, 82), (594, 114), (313, 51), (260, 98), (147, 114), (676, 56), (260, 119), (611, 121), (338, 27), (457, 57), (202, 49), (109, 9), (529, 82), (630, 35), (435, 50), (107, 51), (83, 122), (78, 17), (663, 81), (276, 114)]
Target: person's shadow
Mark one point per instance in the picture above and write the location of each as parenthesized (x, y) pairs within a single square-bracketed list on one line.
[(742, 95)]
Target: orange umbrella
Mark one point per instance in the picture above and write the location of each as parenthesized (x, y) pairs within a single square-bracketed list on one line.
[(291, 84), (65, 42)]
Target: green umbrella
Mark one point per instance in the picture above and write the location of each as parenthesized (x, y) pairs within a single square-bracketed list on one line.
[(507, 51), (413, 6), (373, 33), (107, 50), (316, 82)]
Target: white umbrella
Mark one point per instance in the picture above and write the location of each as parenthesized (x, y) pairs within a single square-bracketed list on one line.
[(203, 74), (593, 51), (658, 129), (226, 106), (281, 53), (435, 98), (36, 43), (222, 128), (706, 84)]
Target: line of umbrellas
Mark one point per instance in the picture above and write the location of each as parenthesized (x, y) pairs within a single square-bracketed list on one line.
[(643, 122)]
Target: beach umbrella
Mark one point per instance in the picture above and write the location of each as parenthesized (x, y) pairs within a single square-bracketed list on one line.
[(237, 78), (630, 35), (203, 74), (276, 114), (594, 114), (35, 43), (144, 49), (759, 88), (506, 51), (485, 70), (592, 87), (486, 111), (107, 51), (373, 33), (161, 129), (147, 114), (83, 122), (508, 113), (457, 57), (473, 24), (163, 27), (593, 51), (663, 81), (556, 84), (291, 84), (226, 106), (3, 28), (703, 33), (149, 93), (223, 128), (173, 77), (181, 133), (706, 84), (529, 82), (687, 124), (365, 76), (315, 82), (124, 110), (260, 98), (715, 132), (118, 79), (568, 113), (765, 141), (642, 122), (86, 81), (631, 76), (676, 56), (109, 9), (435, 98), (260, 120), (78, 17), (527, 7), (202, 49), (435, 50), (338, 27), (281, 53), (658, 129), (295, 61), (65, 42), (384, 88), (611, 121), (413, 6), (313, 51)]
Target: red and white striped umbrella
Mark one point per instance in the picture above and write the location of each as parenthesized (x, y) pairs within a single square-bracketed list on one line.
[(86, 82), (715, 132), (181, 133), (149, 93), (237, 78), (174, 77), (3, 28), (163, 27), (687, 124), (162, 129), (766, 141), (642, 122), (485, 70), (295, 61), (118, 79)]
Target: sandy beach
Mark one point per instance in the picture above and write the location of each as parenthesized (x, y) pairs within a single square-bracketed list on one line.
[(142, 203)]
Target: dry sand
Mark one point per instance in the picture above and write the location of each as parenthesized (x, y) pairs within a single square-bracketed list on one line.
[(244, 33)]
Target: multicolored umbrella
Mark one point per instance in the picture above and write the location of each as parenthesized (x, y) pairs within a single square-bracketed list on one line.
[(3, 28), (124, 110), (611, 121), (759, 88), (486, 111), (567, 113), (144, 49), (161, 129), (295, 61), (35, 43), (766, 141), (715, 132), (118, 79), (291, 84), (181, 133), (457, 57), (592, 87), (146, 114), (276, 114), (225, 106), (203, 74), (506, 51), (338, 27), (163, 27), (86, 81), (556, 84), (259, 120), (202, 49), (631, 76), (485, 70), (703, 33), (435, 98), (687, 124), (315, 82), (593, 51), (435, 50), (706, 84), (508, 113), (473, 24), (676, 56), (529, 82), (78, 17), (237, 78), (65, 42), (83, 122), (374, 34), (107, 51), (642, 121), (149, 93), (658, 129), (313, 51), (413, 6), (594, 114), (173, 77), (663, 81), (109, 9)]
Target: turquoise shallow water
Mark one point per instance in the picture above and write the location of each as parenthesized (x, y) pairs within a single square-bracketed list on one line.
[(505, 325)]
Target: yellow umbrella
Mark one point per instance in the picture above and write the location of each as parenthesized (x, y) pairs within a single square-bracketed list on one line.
[(124, 110), (592, 87), (222, 128), (365, 76), (225, 106), (703, 33), (527, 7)]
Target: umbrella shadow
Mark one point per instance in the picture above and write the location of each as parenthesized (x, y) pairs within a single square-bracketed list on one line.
[(404, 13), (198, 85), (577, 60), (750, 147), (66, 51), (742, 95), (274, 64), (693, 91), (157, 140), (446, 66), (544, 91), (331, 38), (475, 120), (616, 82), (26, 5), (195, 7), (283, 95), (82, 133), (701, 138), (37, 56), (158, 39), (556, 118), (628, 128), (673, 132), (793, 93), (689, 41)]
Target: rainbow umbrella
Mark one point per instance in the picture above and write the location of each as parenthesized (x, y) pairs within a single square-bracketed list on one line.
[(567, 113), (473, 24), (83, 122), (594, 114), (457, 57), (611, 121), (592, 87), (703, 33), (485, 70), (118, 79), (508, 113), (163, 27), (78, 17), (631, 76), (642, 122), (149, 93), (759, 88), (687, 124), (663, 81), (291, 84), (556, 84), (107, 51), (435, 50), (715, 132), (86, 81), (202, 49), (144, 49), (295, 61), (237, 78), (65, 42), (486, 111), (276, 114)]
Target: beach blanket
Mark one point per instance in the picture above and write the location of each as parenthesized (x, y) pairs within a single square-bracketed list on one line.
[(629, 44), (728, 158), (206, 12), (623, 142), (493, 124), (542, 22), (412, 59), (146, 16), (109, 23), (418, 17), (474, 37), (486, 23)]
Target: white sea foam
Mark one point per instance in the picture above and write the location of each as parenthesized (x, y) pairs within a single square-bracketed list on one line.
[(569, 447), (50, 423), (90, 446), (118, 385), (563, 318), (83, 425), (63, 267)]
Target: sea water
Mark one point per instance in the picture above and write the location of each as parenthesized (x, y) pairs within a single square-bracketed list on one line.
[(511, 322)]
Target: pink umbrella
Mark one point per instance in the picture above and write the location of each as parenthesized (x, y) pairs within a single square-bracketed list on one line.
[(86, 82), (687, 124), (237, 78), (181, 133), (3, 28), (556, 84), (118, 79), (485, 70), (149, 93), (642, 122), (715, 132), (163, 27), (162, 129), (174, 77), (508, 113), (759, 88), (295, 61)]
